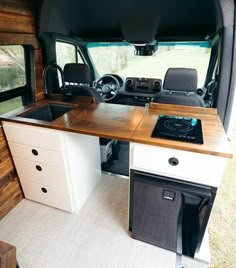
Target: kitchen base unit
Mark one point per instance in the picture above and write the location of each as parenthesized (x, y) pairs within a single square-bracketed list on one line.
[(55, 168), (171, 196), (169, 213)]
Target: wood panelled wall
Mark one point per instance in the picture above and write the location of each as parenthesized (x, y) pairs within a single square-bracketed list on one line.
[(16, 28), (10, 191)]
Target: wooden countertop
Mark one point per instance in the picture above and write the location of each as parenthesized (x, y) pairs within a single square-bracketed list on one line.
[(215, 140), (108, 120), (135, 124)]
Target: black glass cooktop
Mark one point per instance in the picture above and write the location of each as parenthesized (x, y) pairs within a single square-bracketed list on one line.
[(178, 128)]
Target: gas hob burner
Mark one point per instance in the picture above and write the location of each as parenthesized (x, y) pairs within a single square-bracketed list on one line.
[(178, 128)]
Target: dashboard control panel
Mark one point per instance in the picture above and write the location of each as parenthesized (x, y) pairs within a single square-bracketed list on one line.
[(143, 85)]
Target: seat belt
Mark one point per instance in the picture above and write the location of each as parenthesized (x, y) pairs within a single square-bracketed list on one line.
[(212, 90), (213, 84)]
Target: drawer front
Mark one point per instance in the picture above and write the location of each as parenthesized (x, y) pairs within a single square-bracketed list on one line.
[(37, 154), (47, 195), (36, 136), (41, 173), (196, 167)]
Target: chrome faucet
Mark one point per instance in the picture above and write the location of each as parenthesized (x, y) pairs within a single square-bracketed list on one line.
[(53, 65)]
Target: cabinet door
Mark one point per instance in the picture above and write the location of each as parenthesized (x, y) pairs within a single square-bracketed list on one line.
[(47, 195), (37, 154), (155, 218), (36, 136), (41, 173), (195, 167)]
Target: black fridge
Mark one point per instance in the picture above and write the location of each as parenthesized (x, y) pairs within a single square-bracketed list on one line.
[(168, 212)]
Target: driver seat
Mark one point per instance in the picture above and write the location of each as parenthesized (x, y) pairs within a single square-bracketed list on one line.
[(77, 78)]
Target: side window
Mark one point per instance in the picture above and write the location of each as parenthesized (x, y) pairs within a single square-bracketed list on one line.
[(67, 53), (12, 77)]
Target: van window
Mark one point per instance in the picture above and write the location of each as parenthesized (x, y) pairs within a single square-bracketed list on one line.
[(10, 105), (67, 53), (119, 58), (12, 67), (12, 77)]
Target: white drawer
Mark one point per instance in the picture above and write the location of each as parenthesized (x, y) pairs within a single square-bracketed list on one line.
[(47, 195), (196, 167), (38, 154), (36, 136), (41, 173)]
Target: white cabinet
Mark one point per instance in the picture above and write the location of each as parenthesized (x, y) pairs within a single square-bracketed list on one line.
[(189, 166), (56, 168), (174, 171)]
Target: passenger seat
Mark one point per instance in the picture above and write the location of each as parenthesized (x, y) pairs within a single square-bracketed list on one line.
[(180, 87)]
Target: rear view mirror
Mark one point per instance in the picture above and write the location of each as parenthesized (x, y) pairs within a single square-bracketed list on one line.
[(145, 50)]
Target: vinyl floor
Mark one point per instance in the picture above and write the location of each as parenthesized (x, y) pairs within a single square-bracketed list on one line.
[(97, 236)]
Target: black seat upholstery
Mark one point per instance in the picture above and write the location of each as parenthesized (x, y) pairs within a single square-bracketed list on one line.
[(180, 87), (77, 78)]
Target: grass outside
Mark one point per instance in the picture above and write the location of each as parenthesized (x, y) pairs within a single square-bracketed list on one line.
[(10, 105), (222, 225)]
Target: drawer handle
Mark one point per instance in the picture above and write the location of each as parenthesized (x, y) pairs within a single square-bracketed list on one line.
[(44, 190), (34, 152), (173, 161), (39, 168)]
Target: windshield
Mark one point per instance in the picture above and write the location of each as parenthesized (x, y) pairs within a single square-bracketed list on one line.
[(119, 59)]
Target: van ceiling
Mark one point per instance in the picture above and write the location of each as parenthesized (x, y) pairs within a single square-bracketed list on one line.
[(130, 20)]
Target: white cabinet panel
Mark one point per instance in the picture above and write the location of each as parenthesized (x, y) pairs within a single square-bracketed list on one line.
[(37, 154), (66, 164), (41, 173), (195, 167), (37, 136), (47, 195)]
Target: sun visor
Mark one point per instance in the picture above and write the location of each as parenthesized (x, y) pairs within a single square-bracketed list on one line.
[(140, 29)]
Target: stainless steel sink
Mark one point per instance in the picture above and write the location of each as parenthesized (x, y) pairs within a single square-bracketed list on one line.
[(48, 112)]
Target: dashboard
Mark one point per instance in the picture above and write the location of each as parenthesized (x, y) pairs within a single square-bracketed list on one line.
[(144, 85), (136, 91)]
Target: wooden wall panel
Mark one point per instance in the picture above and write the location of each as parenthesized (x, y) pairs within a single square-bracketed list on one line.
[(4, 153), (18, 38), (17, 27), (39, 94), (10, 196), (23, 7), (10, 190), (14, 23), (7, 255)]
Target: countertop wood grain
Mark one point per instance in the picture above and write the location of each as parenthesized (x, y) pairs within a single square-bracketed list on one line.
[(215, 140), (135, 124)]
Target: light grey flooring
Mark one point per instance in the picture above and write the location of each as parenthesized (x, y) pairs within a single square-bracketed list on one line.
[(97, 236)]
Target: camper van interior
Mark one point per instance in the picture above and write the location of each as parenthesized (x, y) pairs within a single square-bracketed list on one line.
[(114, 119)]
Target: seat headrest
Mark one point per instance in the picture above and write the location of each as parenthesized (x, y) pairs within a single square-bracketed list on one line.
[(77, 73), (181, 79)]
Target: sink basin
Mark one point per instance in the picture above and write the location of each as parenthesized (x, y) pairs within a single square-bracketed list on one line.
[(48, 112)]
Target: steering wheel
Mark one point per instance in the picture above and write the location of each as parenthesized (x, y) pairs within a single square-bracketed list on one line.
[(107, 91)]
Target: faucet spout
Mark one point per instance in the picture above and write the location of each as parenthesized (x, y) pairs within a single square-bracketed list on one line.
[(44, 76)]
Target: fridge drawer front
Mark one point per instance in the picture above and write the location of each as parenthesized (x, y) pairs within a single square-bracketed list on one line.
[(195, 167)]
